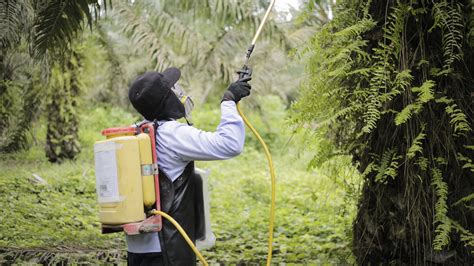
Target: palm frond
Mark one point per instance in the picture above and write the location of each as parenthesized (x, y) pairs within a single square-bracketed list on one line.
[(203, 38), (145, 38), (15, 20), (57, 23)]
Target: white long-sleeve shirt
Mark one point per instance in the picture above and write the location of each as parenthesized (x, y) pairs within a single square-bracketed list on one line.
[(178, 144)]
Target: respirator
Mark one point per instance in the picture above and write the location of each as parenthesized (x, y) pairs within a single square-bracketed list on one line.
[(185, 100)]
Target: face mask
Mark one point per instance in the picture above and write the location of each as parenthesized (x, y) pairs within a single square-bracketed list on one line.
[(185, 100)]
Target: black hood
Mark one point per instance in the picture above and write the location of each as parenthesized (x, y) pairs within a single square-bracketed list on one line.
[(151, 95)]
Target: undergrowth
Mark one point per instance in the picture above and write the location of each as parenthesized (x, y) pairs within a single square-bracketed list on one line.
[(56, 221)]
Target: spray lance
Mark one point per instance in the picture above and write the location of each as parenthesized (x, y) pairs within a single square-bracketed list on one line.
[(245, 72)]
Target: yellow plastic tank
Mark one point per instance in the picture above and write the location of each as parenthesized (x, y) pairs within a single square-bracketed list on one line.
[(146, 160), (122, 191)]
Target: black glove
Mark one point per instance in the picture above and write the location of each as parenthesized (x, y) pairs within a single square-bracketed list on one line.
[(237, 90)]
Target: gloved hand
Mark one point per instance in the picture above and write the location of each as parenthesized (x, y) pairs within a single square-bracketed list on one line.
[(237, 90)]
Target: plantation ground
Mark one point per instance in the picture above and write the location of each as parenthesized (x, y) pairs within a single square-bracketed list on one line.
[(57, 221)]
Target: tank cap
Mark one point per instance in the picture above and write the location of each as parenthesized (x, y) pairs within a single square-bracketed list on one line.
[(119, 131)]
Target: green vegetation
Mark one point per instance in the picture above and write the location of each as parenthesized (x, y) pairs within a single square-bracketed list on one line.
[(366, 106), (391, 85), (58, 222)]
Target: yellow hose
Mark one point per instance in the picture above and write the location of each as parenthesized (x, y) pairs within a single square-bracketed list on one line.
[(183, 233), (272, 174)]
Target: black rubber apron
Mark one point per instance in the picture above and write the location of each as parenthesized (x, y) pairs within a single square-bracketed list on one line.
[(182, 200)]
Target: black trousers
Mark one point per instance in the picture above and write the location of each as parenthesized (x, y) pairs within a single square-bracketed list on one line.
[(144, 259)]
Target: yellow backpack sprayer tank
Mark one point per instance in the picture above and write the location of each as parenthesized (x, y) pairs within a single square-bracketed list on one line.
[(127, 180), (127, 184)]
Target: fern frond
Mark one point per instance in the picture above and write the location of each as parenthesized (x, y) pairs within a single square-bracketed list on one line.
[(425, 94), (388, 166), (441, 220), (401, 83), (372, 115), (466, 236), (325, 152), (395, 26), (387, 52), (448, 18), (356, 29), (468, 164), (467, 198), (422, 162), (458, 119), (416, 145), (425, 91), (403, 79), (406, 113), (369, 169), (341, 113)]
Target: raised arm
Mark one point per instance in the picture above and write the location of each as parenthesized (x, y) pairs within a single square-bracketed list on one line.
[(190, 143)]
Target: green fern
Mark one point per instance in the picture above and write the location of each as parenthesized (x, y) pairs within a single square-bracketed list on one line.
[(458, 118), (425, 94), (401, 72), (468, 164), (422, 162), (416, 146), (406, 113), (339, 51), (448, 18), (369, 169), (357, 29), (425, 91), (388, 167), (341, 113), (381, 89), (466, 236), (467, 198), (402, 82), (325, 152), (441, 220)]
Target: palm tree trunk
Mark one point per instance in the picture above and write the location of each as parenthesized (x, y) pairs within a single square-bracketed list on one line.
[(413, 218), (62, 140)]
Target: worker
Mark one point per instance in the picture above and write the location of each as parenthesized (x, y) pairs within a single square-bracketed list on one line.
[(159, 98)]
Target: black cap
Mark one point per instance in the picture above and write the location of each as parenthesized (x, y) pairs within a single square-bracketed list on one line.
[(152, 97)]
